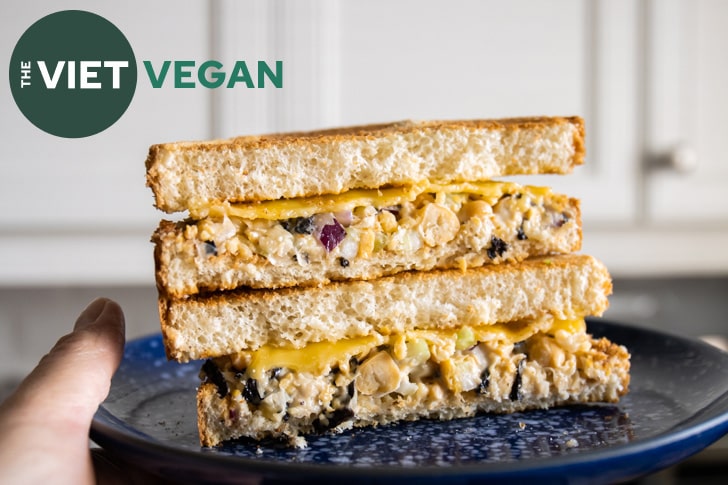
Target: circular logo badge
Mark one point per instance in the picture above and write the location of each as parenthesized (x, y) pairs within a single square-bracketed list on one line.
[(73, 74)]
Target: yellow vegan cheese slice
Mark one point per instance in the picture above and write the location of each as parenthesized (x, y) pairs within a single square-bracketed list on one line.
[(386, 197), (315, 358), (319, 357)]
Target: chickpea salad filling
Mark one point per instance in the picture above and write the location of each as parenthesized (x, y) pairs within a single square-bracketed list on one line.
[(366, 234), (285, 392)]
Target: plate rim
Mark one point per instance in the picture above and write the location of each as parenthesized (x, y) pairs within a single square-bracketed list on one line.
[(683, 433)]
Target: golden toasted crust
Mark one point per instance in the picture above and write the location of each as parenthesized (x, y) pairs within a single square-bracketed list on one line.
[(165, 230), (254, 168), (206, 408), (618, 356)]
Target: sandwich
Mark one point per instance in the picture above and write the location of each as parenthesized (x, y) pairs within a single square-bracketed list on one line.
[(367, 275), (360, 203), (441, 345)]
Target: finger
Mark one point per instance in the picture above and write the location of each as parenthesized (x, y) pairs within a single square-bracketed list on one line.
[(50, 413), (74, 377), (91, 313)]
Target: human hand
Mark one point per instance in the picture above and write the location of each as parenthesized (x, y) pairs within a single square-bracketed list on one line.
[(44, 424)]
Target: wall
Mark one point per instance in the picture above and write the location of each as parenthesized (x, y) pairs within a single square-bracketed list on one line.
[(32, 319), (644, 75)]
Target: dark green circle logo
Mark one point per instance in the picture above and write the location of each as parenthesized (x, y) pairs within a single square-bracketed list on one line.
[(73, 74)]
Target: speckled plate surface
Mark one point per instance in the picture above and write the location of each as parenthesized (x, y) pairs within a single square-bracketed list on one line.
[(678, 404)]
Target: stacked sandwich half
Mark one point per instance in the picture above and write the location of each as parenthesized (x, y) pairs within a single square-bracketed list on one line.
[(367, 275)]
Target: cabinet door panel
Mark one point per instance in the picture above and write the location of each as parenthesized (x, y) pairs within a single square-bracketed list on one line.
[(689, 105)]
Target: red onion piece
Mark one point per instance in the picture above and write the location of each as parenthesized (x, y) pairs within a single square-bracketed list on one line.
[(331, 235)]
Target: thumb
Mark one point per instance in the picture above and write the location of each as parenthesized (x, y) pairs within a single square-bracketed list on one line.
[(74, 377), (50, 413)]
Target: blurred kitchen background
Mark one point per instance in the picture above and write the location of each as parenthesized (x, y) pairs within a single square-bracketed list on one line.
[(649, 77)]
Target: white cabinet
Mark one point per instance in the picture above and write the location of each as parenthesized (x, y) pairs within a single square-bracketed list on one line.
[(682, 216), (645, 76), (76, 211)]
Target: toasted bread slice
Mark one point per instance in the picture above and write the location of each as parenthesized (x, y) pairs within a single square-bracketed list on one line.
[(565, 286), (188, 175)]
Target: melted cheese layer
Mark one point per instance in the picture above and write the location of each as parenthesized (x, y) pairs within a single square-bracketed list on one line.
[(282, 209), (320, 357)]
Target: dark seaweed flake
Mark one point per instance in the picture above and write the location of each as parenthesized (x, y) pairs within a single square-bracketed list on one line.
[(497, 247), (213, 374)]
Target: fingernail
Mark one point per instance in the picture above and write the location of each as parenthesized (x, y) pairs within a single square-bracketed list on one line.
[(91, 313)]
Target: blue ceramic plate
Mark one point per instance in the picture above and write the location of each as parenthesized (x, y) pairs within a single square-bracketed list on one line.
[(677, 405)]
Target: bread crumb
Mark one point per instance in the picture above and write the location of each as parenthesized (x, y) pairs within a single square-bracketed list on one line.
[(522, 425), (572, 443), (299, 442)]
